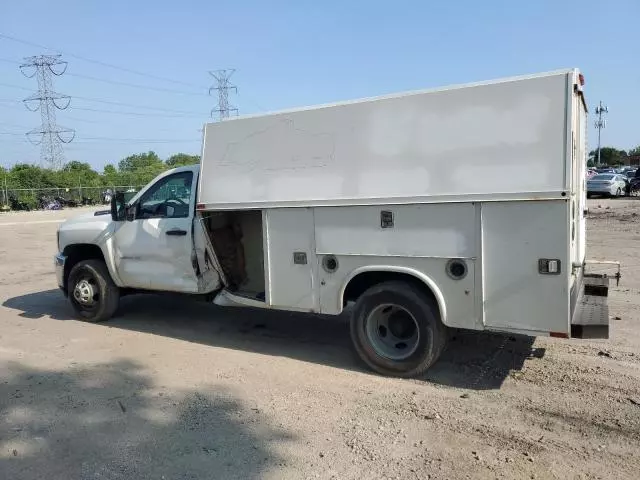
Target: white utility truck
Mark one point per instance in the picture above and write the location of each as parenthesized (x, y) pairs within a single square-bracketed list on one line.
[(459, 207)]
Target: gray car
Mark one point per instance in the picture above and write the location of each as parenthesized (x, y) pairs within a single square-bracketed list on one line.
[(606, 184)]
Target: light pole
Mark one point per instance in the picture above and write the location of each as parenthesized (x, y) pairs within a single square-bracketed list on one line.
[(600, 124)]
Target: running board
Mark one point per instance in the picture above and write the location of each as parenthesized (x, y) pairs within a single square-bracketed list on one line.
[(227, 299)]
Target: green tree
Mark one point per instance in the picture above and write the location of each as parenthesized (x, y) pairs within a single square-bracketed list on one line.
[(29, 176), (182, 159), (635, 151), (138, 161), (109, 170), (608, 156)]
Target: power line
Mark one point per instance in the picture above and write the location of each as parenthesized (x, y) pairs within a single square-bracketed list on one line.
[(51, 135), (110, 102), (8, 85), (117, 112), (121, 104), (97, 140), (98, 62), (135, 114), (133, 85)]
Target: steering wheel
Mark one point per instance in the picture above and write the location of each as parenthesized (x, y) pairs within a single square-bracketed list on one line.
[(178, 200), (161, 208)]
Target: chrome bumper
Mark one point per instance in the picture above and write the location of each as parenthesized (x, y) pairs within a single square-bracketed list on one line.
[(58, 262)]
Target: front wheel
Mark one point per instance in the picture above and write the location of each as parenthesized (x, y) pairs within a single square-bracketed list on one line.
[(396, 329), (92, 293)]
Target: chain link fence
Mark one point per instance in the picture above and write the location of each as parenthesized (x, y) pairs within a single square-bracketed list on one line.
[(43, 198)]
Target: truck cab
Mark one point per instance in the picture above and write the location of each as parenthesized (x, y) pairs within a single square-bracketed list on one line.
[(151, 243)]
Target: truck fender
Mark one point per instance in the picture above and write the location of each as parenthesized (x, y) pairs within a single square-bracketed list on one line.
[(429, 283)]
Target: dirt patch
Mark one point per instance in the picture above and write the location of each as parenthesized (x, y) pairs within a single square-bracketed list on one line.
[(177, 389)]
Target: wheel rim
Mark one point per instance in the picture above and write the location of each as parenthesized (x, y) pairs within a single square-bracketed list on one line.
[(86, 292), (392, 331)]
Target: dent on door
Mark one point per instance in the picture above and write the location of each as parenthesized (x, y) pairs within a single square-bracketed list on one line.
[(156, 247)]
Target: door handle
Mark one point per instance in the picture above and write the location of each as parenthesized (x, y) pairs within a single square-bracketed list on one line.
[(177, 232)]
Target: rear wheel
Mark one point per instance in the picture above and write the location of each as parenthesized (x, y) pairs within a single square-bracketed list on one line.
[(396, 329), (92, 293)]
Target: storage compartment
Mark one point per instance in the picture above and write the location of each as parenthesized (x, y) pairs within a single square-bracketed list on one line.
[(236, 237)]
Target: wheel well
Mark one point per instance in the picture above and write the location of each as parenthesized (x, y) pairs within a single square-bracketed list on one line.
[(77, 253), (365, 280)]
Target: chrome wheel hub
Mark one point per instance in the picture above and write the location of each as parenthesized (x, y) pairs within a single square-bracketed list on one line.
[(84, 292)]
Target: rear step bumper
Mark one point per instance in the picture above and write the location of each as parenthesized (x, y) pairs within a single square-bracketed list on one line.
[(590, 317)]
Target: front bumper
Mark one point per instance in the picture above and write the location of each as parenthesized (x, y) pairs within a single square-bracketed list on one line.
[(59, 261), (600, 190)]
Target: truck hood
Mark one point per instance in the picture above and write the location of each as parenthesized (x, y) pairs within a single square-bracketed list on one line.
[(91, 228), (88, 217)]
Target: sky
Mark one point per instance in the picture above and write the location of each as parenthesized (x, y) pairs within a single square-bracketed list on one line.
[(292, 53)]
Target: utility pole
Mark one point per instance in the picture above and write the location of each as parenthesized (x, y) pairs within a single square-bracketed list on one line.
[(223, 86), (600, 123), (50, 135)]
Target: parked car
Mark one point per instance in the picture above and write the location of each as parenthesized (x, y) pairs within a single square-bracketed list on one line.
[(606, 184), (605, 170)]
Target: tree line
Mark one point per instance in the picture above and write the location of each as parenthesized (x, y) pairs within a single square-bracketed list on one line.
[(134, 170), (612, 156)]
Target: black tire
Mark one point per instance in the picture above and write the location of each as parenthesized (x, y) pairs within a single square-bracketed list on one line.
[(107, 294), (432, 334)]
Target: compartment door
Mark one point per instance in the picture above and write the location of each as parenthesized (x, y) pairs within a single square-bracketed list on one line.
[(290, 258), (515, 236)]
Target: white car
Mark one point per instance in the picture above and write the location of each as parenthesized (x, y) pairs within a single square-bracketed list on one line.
[(606, 184)]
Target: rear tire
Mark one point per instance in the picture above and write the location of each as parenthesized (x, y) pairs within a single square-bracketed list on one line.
[(396, 329), (93, 295)]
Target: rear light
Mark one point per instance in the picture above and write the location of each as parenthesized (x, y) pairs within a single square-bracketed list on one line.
[(581, 79), (200, 206)]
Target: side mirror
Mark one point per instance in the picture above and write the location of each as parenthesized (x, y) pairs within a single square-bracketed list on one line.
[(118, 207)]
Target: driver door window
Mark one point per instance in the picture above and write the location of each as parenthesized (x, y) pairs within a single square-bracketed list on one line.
[(169, 198)]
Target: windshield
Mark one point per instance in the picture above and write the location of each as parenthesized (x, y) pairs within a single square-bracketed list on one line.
[(602, 177)]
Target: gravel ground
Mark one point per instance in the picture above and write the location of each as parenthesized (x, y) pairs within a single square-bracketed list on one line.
[(173, 389)]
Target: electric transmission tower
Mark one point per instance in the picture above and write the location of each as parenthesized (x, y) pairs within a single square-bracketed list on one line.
[(50, 135), (223, 86), (600, 124)]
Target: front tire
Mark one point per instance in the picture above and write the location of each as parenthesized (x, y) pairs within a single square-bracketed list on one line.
[(92, 293), (396, 330)]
